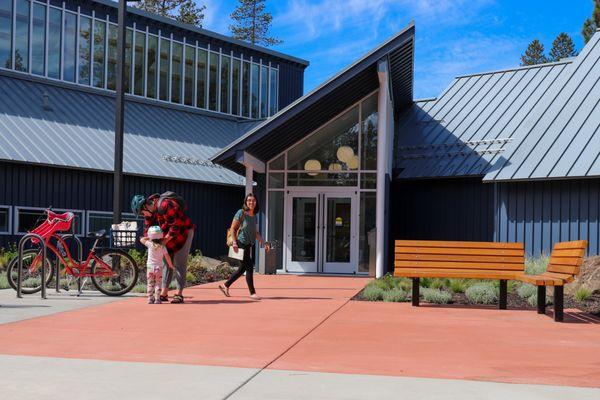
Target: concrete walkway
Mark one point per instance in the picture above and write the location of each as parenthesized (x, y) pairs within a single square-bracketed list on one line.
[(304, 340)]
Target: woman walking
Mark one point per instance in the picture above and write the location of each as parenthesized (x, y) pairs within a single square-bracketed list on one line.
[(245, 233)]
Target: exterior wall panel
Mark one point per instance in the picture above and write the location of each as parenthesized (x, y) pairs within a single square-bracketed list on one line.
[(211, 207), (291, 84), (543, 213)]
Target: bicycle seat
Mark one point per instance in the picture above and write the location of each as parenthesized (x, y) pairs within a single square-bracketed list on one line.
[(67, 216), (99, 234)]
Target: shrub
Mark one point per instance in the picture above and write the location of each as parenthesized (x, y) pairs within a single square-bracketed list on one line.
[(458, 285), (536, 265), (438, 283), (404, 284), (372, 293), (583, 294), (6, 255), (4, 282), (481, 293), (139, 258), (526, 290), (395, 295), (425, 282), (436, 296), (139, 288)]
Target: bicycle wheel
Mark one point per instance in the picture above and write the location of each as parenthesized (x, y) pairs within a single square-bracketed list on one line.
[(116, 275), (31, 281)]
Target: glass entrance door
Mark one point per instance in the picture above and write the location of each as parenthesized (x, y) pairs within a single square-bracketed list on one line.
[(321, 231)]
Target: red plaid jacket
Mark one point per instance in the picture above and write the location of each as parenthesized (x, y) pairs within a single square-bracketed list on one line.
[(173, 222)]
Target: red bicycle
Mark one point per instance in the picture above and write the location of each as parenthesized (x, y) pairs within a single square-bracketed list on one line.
[(112, 271)]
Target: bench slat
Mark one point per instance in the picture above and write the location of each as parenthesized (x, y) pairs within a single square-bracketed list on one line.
[(459, 251), (576, 244), (457, 257), (459, 265), (454, 273), (479, 245), (568, 253), (564, 269), (574, 261)]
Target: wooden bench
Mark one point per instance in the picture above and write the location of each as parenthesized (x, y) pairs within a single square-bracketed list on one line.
[(470, 260), (565, 260)]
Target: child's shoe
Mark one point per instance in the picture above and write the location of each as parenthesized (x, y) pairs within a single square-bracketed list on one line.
[(150, 299)]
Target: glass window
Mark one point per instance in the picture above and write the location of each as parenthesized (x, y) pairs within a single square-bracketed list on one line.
[(201, 82), (254, 91), (276, 223), (128, 59), (246, 89), (98, 220), (273, 93), (190, 54), (111, 79), (322, 179), (54, 37), (69, 47), (139, 73), (334, 146), (6, 33), (212, 81), (225, 67), (85, 46), (22, 36), (165, 55), (235, 90), (278, 163), (264, 91), (276, 180), (29, 218), (367, 233), (176, 65), (99, 47), (38, 39), (4, 220), (152, 63), (369, 133), (368, 181)]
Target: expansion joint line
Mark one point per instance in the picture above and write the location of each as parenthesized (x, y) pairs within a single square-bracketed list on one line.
[(287, 350)]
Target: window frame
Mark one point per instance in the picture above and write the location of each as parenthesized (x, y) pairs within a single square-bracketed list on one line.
[(60, 210), (93, 213), (9, 221)]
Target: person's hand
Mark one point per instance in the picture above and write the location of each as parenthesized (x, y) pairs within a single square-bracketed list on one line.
[(167, 239), (235, 247), (267, 247)]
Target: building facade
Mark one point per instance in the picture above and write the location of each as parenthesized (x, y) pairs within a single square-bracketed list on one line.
[(190, 92)]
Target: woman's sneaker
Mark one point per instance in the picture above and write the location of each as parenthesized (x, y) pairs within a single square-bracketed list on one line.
[(151, 300)]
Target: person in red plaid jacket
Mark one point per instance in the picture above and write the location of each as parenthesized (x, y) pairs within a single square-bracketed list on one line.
[(168, 212)]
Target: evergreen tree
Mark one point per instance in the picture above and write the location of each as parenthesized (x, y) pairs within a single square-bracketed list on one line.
[(534, 54), (181, 10), (562, 47), (591, 24), (252, 23)]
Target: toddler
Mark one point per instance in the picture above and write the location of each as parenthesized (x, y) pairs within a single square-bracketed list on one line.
[(157, 255)]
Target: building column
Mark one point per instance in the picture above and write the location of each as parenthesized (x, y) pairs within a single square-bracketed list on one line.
[(249, 178), (384, 114)]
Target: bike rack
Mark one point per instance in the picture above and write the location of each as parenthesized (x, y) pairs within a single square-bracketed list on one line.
[(22, 242)]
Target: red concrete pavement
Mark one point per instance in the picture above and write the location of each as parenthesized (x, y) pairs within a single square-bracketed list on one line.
[(357, 337)]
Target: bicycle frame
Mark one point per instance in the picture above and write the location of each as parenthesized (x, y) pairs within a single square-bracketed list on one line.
[(77, 269)]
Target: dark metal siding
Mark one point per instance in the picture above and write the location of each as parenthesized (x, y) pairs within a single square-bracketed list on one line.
[(211, 207), (543, 213), (451, 209), (291, 84)]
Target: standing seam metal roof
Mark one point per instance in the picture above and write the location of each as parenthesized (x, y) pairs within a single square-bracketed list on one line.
[(561, 137), (468, 127), (76, 129)]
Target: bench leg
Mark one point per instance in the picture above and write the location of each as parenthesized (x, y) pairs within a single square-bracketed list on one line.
[(503, 294), (558, 303), (415, 291), (541, 299)]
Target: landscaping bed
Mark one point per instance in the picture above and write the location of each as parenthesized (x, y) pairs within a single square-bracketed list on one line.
[(582, 294)]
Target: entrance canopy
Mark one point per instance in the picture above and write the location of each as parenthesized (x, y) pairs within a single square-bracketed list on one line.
[(314, 109)]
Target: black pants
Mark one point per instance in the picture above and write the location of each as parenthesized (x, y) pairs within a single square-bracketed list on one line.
[(246, 265)]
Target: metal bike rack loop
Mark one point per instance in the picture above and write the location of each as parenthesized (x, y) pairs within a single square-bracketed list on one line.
[(73, 236), (42, 243)]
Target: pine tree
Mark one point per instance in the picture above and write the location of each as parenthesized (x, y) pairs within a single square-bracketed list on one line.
[(591, 24), (534, 54), (562, 47), (252, 23), (181, 10)]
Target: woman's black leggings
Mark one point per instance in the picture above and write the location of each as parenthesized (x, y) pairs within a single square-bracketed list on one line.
[(247, 265)]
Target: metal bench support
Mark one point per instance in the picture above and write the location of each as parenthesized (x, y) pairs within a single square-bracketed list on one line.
[(558, 303), (503, 294), (541, 299), (415, 291)]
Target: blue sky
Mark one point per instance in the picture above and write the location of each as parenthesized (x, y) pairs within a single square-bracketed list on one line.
[(453, 37)]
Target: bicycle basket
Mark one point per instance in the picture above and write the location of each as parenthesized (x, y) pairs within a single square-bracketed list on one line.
[(124, 235)]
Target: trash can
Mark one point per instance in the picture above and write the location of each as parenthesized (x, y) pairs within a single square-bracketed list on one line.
[(267, 261)]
